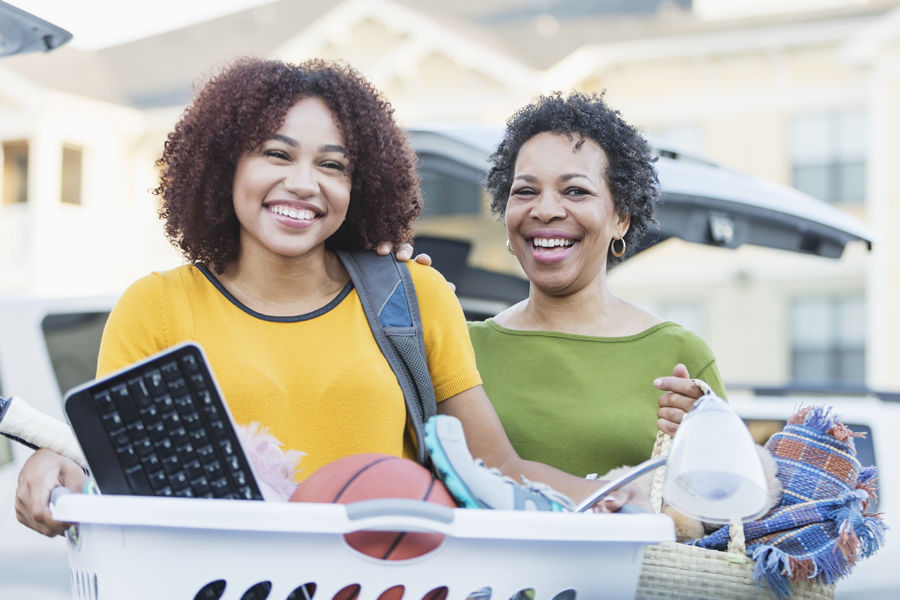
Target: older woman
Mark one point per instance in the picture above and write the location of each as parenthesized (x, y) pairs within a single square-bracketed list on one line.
[(574, 372), (270, 169)]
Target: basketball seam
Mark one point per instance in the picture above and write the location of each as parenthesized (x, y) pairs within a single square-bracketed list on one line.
[(399, 538), (358, 473)]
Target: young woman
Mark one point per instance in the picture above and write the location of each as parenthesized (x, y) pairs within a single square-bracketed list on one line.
[(270, 169)]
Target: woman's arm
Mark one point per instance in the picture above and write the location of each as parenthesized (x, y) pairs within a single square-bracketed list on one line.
[(487, 440)]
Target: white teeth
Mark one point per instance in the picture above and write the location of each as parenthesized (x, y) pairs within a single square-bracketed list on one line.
[(552, 243), (293, 213)]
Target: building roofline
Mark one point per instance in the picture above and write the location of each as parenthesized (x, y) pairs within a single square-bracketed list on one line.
[(591, 58)]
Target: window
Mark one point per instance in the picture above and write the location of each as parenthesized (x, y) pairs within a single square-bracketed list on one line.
[(828, 154), (73, 342), (828, 337), (449, 187), (15, 172), (71, 175)]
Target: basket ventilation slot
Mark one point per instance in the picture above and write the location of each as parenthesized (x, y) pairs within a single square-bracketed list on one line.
[(84, 584)]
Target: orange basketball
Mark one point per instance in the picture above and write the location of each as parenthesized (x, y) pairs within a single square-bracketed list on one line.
[(370, 476)]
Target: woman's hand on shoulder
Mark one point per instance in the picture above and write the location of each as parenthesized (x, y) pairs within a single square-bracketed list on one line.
[(41, 473), (404, 252), (679, 397)]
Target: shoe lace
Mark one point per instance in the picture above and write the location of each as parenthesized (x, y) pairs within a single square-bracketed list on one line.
[(535, 487)]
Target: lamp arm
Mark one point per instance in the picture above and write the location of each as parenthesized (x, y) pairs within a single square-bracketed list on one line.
[(644, 467)]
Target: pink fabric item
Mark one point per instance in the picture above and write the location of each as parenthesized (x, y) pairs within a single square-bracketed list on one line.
[(275, 468)]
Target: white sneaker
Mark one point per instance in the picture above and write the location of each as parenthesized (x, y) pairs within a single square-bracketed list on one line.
[(475, 486)]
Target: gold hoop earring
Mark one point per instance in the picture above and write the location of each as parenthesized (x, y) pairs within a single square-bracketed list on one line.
[(509, 248), (612, 247)]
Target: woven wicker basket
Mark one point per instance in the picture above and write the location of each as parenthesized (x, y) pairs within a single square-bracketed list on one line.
[(678, 571)]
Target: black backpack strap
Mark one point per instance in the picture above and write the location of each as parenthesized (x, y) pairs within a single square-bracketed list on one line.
[(388, 297)]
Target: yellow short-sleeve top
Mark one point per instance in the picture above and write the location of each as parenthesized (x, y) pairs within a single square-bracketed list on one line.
[(318, 381)]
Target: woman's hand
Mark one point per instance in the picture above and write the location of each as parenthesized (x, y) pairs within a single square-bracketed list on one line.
[(627, 494), (681, 393), (42, 472), (404, 253)]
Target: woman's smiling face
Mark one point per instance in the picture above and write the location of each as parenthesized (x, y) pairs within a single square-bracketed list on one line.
[(561, 217), (291, 193)]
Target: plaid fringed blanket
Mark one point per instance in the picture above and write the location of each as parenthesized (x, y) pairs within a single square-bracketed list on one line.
[(820, 527)]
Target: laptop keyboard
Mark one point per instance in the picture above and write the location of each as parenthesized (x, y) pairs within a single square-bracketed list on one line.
[(167, 431)]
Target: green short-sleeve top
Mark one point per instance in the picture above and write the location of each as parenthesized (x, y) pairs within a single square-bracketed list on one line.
[(580, 403)]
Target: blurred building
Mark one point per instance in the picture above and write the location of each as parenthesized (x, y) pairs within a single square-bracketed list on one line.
[(804, 93)]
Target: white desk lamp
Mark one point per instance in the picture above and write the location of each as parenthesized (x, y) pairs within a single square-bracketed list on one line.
[(714, 471)]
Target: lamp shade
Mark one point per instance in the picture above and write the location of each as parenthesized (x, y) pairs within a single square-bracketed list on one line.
[(714, 471)]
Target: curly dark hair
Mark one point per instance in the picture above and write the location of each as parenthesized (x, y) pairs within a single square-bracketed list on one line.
[(630, 173), (244, 104)]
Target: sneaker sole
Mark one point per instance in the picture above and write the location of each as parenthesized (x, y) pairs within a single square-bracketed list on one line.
[(445, 470)]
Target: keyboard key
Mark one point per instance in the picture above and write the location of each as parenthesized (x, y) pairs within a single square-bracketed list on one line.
[(198, 382), (155, 383), (140, 393), (184, 493), (171, 464), (184, 404), (232, 463), (190, 364), (179, 436), (156, 431), (205, 399), (192, 421), (217, 429), (178, 481), (151, 463), (124, 403), (200, 486), (212, 413), (166, 491), (138, 480), (206, 453), (185, 452), (240, 478), (198, 436), (120, 438), (170, 371), (150, 414), (219, 487), (143, 446), (113, 421), (136, 429), (246, 493), (213, 470), (178, 387), (165, 403), (193, 469), (227, 448), (171, 420), (164, 447), (105, 404), (158, 480), (128, 457)]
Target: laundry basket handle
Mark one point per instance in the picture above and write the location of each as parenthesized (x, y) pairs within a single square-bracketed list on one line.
[(57, 493), (399, 507)]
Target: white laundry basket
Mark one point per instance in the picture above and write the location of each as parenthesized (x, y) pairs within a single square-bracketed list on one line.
[(135, 548)]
